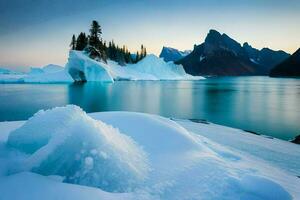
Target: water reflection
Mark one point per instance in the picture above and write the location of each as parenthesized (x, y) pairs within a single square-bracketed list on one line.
[(261, 104)]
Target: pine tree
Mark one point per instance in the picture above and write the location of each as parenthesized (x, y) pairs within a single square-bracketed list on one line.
[(82, 41), (95, 35), (142, 52), (73, 43), (145, 52), (98, 48), (137, 58)]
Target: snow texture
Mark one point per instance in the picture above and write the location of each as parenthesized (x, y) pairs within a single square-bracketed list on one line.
[(69, 143), (167, 159)]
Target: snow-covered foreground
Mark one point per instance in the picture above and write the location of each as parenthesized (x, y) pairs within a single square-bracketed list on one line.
[(65, 153)]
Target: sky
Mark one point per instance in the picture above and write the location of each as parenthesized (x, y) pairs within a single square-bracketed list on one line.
[(38, 32)]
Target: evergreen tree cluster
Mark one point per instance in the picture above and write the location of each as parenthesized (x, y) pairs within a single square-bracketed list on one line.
[(99, 49)]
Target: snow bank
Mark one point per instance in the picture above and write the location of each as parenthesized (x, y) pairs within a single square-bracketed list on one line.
[(187, 160), (83, 68), (69, 143)]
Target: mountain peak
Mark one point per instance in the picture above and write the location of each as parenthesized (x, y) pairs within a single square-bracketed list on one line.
[(172, 54), (222, 55), (213, 37), (297, 52), (246, 45)]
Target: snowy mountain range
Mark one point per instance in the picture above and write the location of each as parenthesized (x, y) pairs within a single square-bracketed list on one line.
[(222, 55), (171, 54)]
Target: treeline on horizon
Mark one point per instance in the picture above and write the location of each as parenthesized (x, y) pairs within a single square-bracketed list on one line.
[(98, 48)]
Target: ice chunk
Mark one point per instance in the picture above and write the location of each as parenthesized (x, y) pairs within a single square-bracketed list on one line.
[(63, 141), (83, 68)]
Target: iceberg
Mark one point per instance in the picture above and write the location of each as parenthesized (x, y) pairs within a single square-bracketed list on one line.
[(83, 68), (7, 71), (52, 68), (47, 74), (9, 76), (127, 155)]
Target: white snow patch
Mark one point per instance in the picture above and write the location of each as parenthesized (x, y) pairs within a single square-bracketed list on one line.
[(254, 61)]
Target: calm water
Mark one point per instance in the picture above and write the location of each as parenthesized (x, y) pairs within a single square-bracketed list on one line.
[(261, 104)]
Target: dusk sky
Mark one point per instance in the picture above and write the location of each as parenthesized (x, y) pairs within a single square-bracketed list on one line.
[(38, 32)]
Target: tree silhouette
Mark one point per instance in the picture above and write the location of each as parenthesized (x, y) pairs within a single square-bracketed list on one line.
[(73, 43), (82, 41), (98, 49)]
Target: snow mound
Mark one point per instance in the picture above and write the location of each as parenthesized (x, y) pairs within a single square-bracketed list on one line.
[(149, 129), (69, 143), (83, 68)]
